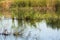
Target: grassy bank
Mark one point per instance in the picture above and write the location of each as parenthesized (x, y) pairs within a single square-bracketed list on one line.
[(31, 13), (25, 9)]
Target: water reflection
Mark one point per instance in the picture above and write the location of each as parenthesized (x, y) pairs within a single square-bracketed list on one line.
[(54, 23), (29, 29)]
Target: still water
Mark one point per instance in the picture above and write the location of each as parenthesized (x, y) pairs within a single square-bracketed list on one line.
[(29, 30)]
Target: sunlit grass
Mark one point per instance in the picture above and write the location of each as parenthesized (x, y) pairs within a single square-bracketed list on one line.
[(24, 9)]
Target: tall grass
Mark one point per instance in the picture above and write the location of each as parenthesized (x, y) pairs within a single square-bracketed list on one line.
[(30, 9), (30, 3)]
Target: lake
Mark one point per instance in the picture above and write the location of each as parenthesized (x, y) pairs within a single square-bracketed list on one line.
[(29, 29)]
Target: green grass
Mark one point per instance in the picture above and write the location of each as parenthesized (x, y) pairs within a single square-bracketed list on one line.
[(30, 13), (25, 9), (28, 3)]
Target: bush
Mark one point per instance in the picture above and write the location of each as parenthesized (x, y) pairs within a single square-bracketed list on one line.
[(57, 6)]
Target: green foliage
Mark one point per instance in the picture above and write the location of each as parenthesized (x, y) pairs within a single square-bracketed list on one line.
[(58, 7), (30, 9), (28, 3)]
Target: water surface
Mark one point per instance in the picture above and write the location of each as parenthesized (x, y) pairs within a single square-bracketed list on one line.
[(29, 30)]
